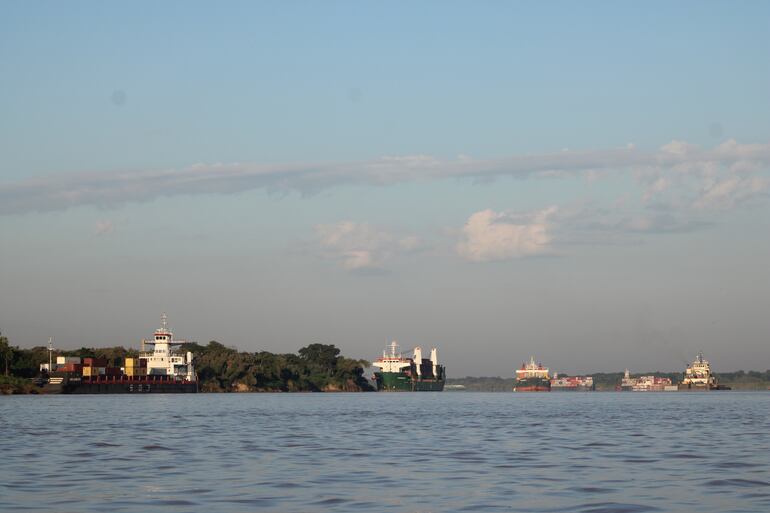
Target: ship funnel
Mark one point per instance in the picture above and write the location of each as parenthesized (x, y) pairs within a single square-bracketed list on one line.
[(418, 359), (434, 360)]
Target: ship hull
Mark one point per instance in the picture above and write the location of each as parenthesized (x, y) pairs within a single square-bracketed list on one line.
[(124, 385), (130, 388), (687, 387), (401, 382), (579, 388), (532, 385)]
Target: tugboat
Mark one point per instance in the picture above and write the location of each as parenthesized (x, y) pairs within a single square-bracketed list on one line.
[(698, 377), (417, 374), (532, 377)]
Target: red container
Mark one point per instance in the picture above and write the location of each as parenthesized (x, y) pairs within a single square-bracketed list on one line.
[(70, 367), (95, 362)]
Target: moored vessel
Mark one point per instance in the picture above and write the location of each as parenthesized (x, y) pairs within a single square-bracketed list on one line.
[(164, 369), (645, 384), (532, 377), (572, 383), (698, 377), (398, 373)]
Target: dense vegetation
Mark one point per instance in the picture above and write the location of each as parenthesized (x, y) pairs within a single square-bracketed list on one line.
[(315, 368)]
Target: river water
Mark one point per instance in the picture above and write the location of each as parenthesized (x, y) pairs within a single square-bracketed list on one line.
[(420, 452)]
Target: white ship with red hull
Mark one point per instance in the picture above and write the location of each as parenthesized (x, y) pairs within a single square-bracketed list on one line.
[(532, 377)]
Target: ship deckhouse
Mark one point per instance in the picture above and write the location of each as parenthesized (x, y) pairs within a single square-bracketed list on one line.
[(164, 360), (698, 373), (392, 362), (532, 370)]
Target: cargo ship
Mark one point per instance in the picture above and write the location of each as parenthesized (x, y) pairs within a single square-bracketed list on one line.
[(164, 369), (645, 384), (698, 377), (401, 374), (532, 377), (572, 383)]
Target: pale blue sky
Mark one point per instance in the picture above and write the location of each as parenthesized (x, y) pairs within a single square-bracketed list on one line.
[(639, 258)]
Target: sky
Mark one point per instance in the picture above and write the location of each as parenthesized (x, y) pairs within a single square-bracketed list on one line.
[(587, 183)]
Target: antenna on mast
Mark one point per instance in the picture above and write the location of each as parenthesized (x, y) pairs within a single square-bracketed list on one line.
[(50, 350)]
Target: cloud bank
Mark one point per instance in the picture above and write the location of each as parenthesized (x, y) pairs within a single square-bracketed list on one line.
[(724, 172)]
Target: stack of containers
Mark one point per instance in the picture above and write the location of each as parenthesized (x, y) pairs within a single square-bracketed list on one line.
[(94, 367), (70, 367), (136, 367), (68, 364)]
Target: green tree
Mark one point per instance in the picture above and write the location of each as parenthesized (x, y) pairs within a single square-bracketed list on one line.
[(6, 352)]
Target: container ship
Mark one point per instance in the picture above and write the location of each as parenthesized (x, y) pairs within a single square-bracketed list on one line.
[(572, 383), (401, 374), (645, 384), (698, 377), (532, 377), (163, 369)]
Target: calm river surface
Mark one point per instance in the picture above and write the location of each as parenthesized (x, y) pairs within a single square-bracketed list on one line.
[(421, 452)]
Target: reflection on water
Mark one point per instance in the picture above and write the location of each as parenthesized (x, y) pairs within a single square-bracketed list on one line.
[(429, 452)]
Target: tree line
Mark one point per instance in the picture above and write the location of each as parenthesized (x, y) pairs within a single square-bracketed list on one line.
[(738, 380), (314, 368)]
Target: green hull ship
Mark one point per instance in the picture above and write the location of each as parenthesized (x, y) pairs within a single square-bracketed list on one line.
[(399, 374)]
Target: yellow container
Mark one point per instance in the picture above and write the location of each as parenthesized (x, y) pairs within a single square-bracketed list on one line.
[(88, 371)]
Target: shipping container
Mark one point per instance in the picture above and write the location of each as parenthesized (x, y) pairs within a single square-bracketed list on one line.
[(95, 362), (70, 367)]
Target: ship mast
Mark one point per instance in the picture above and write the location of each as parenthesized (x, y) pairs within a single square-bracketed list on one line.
[(50, 350)]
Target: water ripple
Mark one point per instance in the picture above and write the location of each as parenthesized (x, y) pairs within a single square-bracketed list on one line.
[(416, 453)]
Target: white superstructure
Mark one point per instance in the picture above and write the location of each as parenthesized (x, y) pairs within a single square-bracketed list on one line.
[(163, 360), (392, 362), (698, 374), (532, 370)]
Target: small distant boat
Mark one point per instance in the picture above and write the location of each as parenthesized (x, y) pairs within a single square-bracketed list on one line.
[(572, 383), (645, 384)]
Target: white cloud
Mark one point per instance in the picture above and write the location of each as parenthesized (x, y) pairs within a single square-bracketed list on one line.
[(104, 227), (362, 247), (491, 236)]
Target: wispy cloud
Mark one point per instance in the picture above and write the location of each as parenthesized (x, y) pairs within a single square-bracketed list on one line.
[(104, 227), (361, 247), (671, 162)]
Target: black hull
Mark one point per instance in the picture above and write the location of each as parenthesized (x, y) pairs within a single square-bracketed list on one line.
[(130, 388)]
